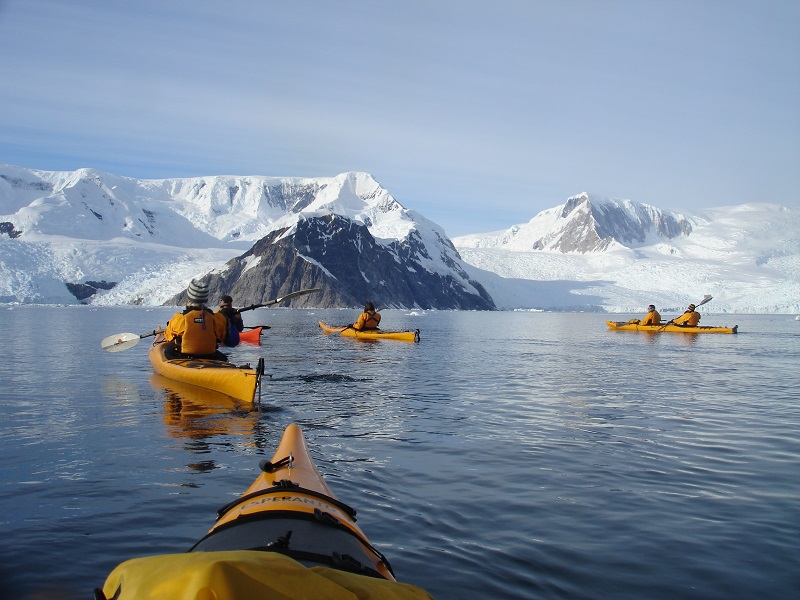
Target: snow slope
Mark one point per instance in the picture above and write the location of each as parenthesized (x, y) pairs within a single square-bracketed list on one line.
[(153, 236), (746, 256)]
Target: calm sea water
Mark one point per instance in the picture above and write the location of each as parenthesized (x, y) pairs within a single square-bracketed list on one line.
[(507, 455)]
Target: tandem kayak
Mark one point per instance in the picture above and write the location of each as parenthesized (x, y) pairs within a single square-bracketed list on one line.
[(669, 328), (287, 536), (372, 334), (236, 381)]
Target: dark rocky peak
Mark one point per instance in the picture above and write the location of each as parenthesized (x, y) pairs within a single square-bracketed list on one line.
[(342, 257)]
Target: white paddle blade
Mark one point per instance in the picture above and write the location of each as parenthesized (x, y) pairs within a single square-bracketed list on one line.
[(706, 298), (295, 295), (120, 342)]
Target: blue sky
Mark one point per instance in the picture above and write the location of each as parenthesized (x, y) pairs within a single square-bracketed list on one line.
[(476, 114)]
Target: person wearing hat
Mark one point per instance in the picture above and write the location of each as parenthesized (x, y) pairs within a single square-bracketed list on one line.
[(689, 317), (197, 330), (652, 317), (235, 325), (369, 319)]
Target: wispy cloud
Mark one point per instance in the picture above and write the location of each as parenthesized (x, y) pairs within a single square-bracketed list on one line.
[(676, 104)]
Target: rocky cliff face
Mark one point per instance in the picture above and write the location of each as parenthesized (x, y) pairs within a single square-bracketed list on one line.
[(343, 258)]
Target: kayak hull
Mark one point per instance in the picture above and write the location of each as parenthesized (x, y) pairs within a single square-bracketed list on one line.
[(372, 334), (669, 328), (221, 376)]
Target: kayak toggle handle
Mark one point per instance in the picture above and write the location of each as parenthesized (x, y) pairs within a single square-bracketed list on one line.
[(270, 467)]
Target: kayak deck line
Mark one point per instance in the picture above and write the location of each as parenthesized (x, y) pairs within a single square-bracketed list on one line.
[(290, 499), (281, 487)]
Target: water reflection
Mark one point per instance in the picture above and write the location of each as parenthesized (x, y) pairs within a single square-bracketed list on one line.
[(197, 413)]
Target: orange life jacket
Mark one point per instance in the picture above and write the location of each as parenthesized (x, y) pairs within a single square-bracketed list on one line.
[(199, 337), (368, 320)]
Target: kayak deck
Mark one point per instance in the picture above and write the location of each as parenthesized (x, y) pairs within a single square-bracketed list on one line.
[(239, 382), (371, 334), (291, 510), (669, 328)]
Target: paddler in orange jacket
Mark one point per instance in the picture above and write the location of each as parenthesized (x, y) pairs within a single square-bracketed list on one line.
[(369, 319), (689, 317), (197, 330), (652, 317)]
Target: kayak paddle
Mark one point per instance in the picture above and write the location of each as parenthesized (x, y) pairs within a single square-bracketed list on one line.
[(705, 299), (279, 300), (257, 326), (123, 341)]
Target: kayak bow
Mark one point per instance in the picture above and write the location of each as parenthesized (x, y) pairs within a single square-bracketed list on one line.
[(287, 536)]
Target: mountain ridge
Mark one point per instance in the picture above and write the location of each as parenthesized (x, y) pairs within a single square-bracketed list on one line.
[(73, 214), (140, 241), (734, 253)]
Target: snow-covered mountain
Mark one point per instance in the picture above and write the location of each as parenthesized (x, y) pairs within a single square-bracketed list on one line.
[(109, 240), (142, 241), (587, 224), (620, 256)]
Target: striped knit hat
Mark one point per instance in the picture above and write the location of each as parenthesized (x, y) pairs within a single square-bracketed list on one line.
[(198, 292), (691, 306)]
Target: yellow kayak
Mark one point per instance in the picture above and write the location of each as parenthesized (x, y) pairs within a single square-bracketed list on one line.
[(372, 334), (668, 328), (238, 382), (287, 536)]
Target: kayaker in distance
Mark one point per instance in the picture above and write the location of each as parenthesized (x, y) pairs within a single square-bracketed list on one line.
[(689, 317), (369, 319), (197, 330), (235, 325), (652, 317)]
